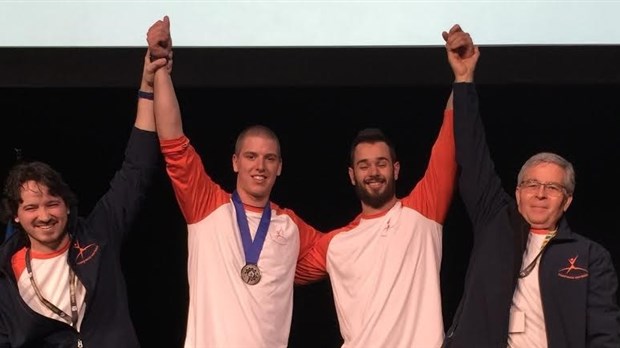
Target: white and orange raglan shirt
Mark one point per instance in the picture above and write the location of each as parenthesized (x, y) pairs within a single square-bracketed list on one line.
[(223, 310), (384, 268), (51, 275)]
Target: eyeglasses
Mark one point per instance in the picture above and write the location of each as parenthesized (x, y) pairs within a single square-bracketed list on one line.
[(552, 189)]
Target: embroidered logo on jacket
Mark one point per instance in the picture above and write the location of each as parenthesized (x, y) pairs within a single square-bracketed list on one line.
[(572, 271), (85, 253)]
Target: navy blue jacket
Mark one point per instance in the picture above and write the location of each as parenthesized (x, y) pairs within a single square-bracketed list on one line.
[(94, 255), (579, 305)]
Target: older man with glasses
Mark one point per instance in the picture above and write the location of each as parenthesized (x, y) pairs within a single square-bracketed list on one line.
[(531, 281)]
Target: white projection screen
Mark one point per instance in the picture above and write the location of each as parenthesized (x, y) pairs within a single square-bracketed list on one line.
[(29, 23), (307, 43)]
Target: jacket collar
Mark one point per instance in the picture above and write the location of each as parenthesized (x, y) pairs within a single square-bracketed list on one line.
[(564, 231), (523, 227)]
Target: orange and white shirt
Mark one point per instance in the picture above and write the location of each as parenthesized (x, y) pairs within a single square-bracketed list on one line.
[(51, 274), (223, 310), (384, 268)]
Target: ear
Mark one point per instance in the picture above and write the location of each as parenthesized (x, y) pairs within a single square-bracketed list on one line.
[(567, 203), (396, 170), (279, 169), (16, 220), (234, 163), (68, 211), (352, 176)]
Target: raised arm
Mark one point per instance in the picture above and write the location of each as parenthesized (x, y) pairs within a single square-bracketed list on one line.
[(433, 193), (145, 117), (196, 193), (119, 205), (478, 182), (169, 123)]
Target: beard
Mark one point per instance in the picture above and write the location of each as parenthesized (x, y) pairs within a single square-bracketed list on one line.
[(375, 199)]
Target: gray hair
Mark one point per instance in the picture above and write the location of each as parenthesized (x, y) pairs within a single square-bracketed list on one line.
[(549, 157)]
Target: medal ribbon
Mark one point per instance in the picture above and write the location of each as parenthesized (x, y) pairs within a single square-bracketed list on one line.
[(251, 249)]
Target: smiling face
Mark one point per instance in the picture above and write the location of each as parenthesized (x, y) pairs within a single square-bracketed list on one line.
[(257, 164), (541, 207), (374, 176), (43, 217)]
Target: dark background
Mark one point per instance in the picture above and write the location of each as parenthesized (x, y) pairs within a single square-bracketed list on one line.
[(74, 108)]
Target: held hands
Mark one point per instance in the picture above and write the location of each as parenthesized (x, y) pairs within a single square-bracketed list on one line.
[(150, 67), (158, 54), (159, 39), (462, 53)]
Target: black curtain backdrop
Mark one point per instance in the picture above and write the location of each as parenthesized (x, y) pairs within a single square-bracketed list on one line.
[(82, 131)]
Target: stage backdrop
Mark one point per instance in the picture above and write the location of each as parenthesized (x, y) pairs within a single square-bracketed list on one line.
[(83, 131)]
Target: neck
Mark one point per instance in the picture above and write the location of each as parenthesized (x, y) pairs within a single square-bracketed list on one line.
[(248, 199), (543, 229), (49, 247), (369, 210)]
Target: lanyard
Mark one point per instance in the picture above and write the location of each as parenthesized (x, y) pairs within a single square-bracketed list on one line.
[(529, 268), (72, 320), (250, 273)]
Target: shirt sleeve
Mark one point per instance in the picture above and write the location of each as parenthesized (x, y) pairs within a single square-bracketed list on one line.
[(196, 193), (116, 210), (432, 195)]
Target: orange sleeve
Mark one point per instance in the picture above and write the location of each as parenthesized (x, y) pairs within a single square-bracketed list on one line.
[(312, 265), (18, 262), (196, 193), (309, 267), (432, 195), (312, 251)]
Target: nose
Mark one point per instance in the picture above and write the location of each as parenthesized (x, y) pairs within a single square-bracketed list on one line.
[(374, 170), (260, 165), (44, 215), (542, 191)]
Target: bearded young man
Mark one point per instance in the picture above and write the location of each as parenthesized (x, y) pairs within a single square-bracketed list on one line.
[(384, 265)]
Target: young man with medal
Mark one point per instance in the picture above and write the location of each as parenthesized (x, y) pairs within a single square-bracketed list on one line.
[(61, 281), (531, 282), (242, 248)]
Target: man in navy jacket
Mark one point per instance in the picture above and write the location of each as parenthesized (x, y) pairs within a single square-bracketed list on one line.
[(531, 281), (61, 281)]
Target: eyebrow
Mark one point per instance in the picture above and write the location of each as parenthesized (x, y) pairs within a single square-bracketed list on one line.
[(543, 182), (377, 159), (269, 154)]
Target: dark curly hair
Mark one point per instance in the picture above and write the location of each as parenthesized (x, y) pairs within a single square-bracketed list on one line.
[(36, 171)]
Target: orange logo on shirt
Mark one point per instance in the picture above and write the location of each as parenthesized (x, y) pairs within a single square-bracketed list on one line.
[(572, 271), (85, 253)]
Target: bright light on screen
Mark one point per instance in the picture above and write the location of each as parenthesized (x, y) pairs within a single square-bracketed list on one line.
[(28, 23)]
